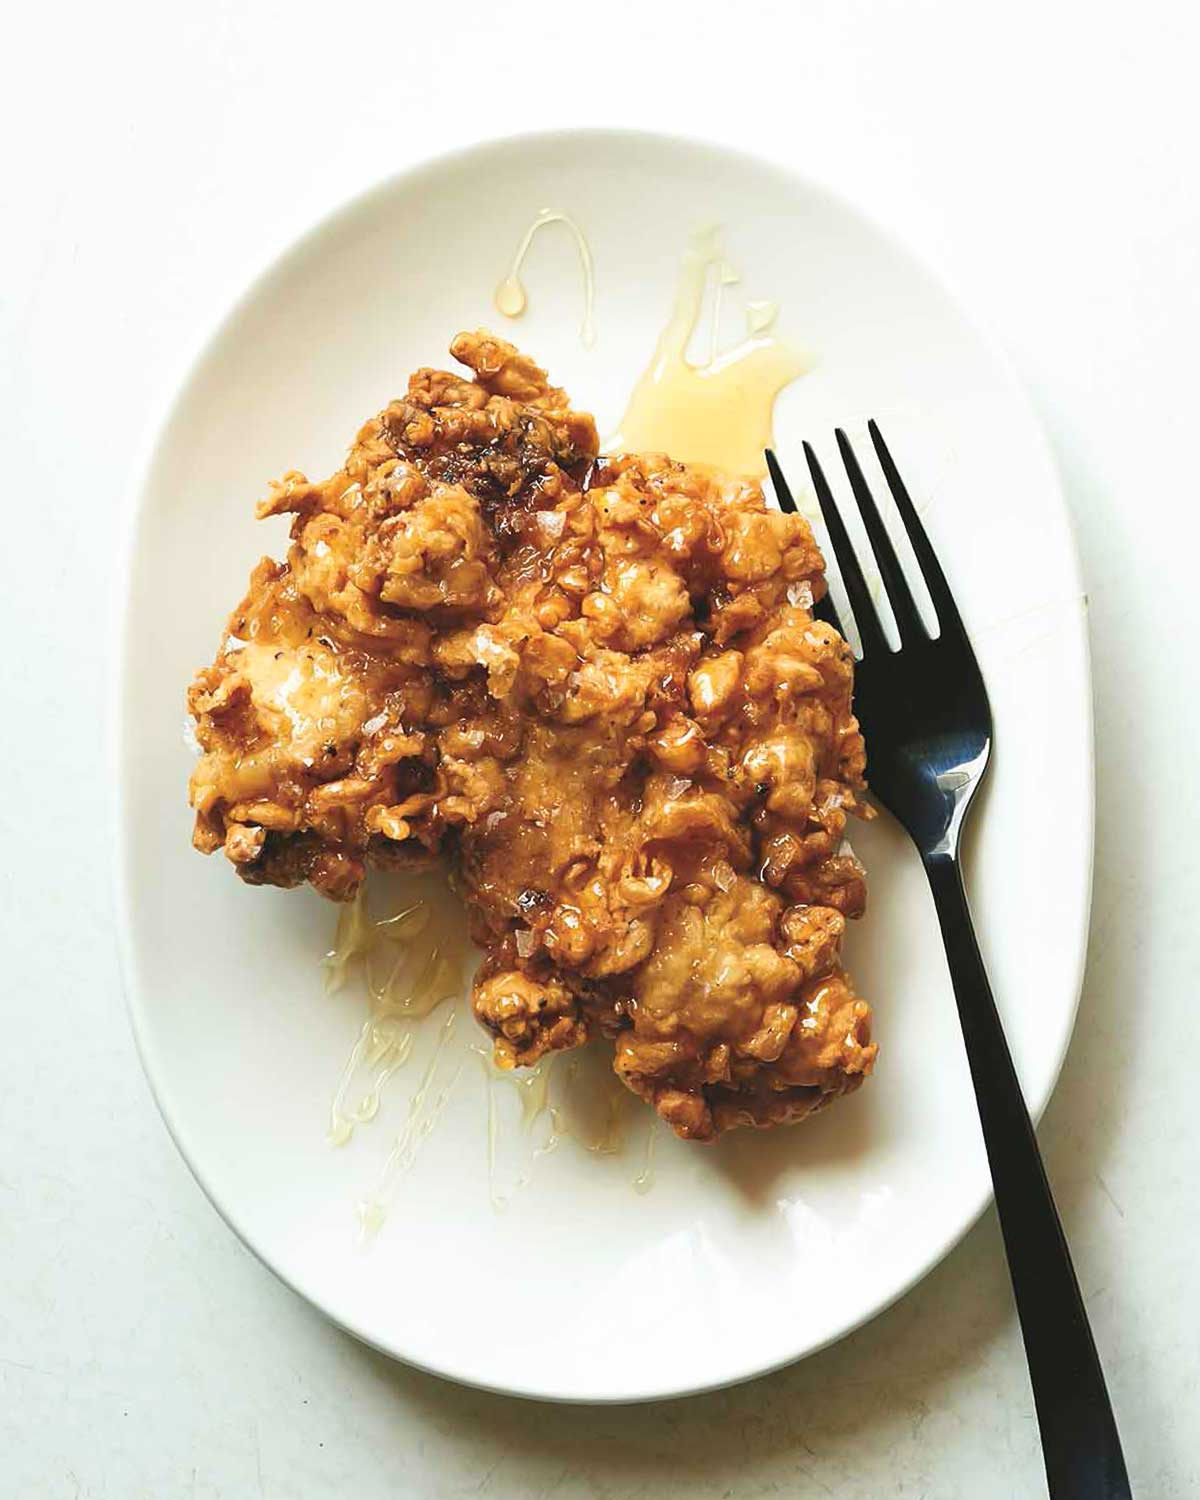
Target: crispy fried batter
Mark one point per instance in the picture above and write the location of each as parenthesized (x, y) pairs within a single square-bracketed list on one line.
[(598, 686)]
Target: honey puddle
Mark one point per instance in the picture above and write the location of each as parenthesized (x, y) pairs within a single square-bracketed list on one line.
[(510, 297), (718, 412)]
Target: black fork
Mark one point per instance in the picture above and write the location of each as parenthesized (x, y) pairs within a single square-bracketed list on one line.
[(924, 713)]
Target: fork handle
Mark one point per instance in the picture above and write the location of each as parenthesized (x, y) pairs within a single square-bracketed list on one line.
[(1079, 1433)]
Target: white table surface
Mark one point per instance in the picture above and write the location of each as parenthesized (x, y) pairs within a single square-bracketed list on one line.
[(156, 155)]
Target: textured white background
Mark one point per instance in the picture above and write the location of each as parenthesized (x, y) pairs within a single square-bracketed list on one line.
[(155, 156)]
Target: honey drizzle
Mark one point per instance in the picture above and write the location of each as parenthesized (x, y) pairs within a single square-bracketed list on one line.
[(510, 298), (718, 412)]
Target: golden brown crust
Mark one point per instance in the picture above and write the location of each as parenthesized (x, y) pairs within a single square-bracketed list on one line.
[(599, 687)]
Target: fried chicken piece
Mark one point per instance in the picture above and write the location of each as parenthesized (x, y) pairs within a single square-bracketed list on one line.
[(598, 687)]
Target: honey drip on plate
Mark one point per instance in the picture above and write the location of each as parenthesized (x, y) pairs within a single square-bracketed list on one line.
[(412, 962), (718, 412), (581, 1100), (510, 297), (644, 1180), (424, 1108), (532, 1091)]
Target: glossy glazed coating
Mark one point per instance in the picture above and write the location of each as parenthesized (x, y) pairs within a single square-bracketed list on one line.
[(597, 686)]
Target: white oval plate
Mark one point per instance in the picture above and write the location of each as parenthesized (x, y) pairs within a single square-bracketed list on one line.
[(764, 1247)]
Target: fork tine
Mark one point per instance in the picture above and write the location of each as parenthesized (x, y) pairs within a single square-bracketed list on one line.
[(908, 621), (869, 629), (931, 569), (824, 608), (783, 493)]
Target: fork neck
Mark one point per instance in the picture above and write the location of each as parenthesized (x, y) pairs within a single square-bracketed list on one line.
[(936, 823)]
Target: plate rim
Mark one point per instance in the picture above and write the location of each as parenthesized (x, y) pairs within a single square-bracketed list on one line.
[(121, 639)]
